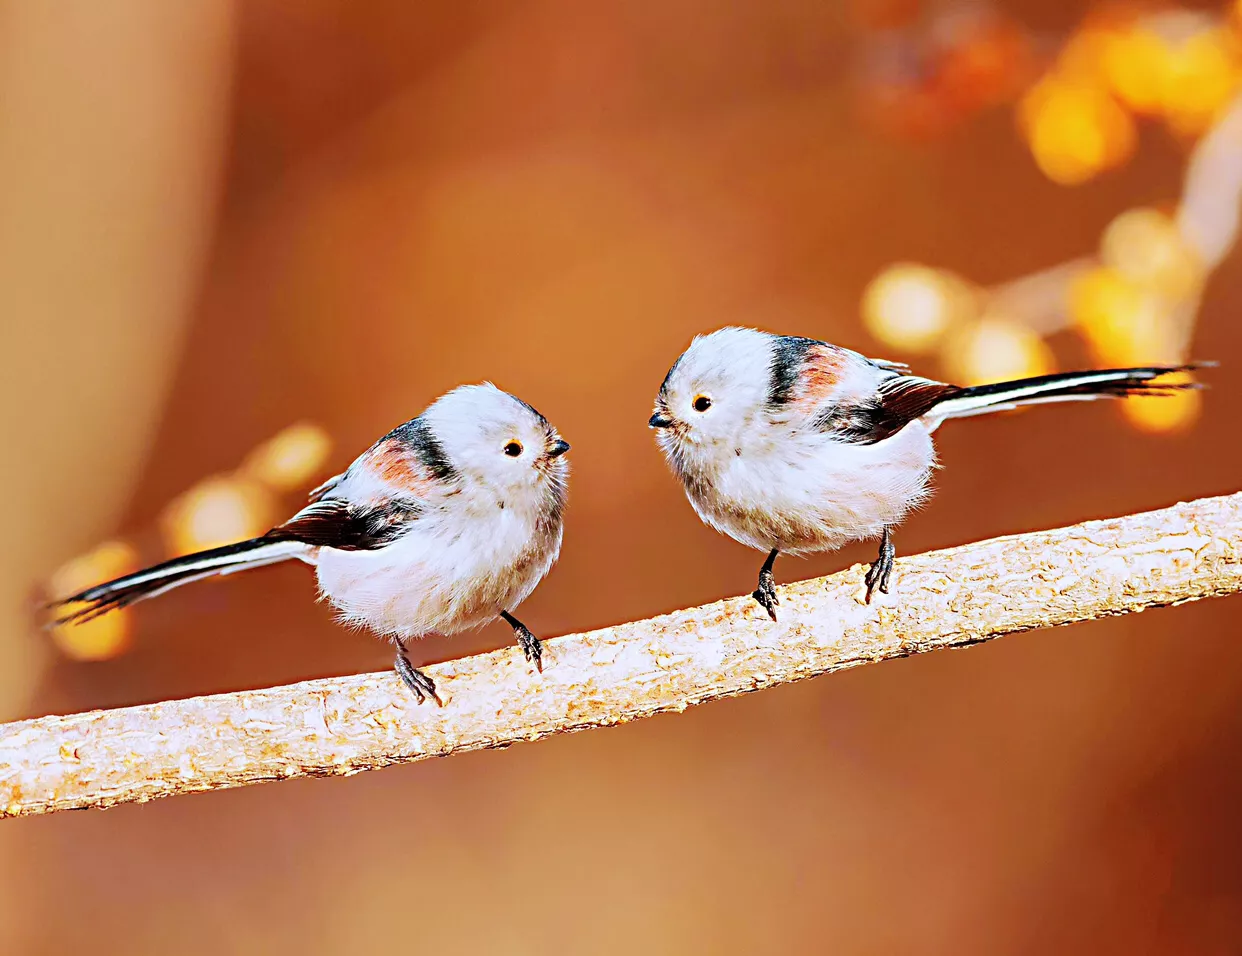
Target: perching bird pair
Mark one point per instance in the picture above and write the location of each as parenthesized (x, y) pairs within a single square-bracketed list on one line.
[(786, 444)]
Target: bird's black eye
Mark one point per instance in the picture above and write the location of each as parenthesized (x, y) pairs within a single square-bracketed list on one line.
[(702, 403), (513, 449)]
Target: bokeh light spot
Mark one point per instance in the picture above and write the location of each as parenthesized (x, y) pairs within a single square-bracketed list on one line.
[(1075, 130), (1145, 246), (290, 459), (911, 307), (1202, 77), (1136, 66), (995, 349), (104, 636), (217, 511), (1122, 323), (1165, 413)]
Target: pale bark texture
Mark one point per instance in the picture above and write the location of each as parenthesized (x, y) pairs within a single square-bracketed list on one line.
[(942, 599)]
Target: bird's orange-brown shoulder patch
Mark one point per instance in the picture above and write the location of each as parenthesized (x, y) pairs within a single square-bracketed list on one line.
[(396, 464), (819, 376)]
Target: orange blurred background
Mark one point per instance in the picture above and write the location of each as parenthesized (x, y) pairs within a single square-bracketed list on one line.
[(222, 221)]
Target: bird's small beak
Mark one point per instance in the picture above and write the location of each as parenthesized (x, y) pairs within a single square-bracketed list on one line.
[(558, 448), (660, 420)]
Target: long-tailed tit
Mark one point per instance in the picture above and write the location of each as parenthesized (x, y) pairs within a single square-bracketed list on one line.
[(792, 445), (444, 524)]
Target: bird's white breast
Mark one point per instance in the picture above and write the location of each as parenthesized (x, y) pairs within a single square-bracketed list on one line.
[(448, 573), (802, 491)]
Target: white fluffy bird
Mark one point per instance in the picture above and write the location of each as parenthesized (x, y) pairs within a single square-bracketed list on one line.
[(447, 522), (792, 445)]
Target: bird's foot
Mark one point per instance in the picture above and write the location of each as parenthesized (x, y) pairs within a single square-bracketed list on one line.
[(420, 685), (881, 570), (531, 646), (765, 594)]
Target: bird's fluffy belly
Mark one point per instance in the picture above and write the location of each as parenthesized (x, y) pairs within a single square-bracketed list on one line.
[(429, 583), (820, 495)]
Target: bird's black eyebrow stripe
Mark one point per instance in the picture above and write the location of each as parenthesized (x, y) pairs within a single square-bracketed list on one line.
[(533, 410), (788, 356), (548, 429), (663, 393), (418, 437)]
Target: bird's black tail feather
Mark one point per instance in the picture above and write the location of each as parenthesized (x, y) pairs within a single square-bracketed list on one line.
[(1063, 387), (159, 578)]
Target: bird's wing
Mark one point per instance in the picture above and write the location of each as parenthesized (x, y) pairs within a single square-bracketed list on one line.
[(888, 408), (322, 491), (390, 485), (345, 526), (856, 399)]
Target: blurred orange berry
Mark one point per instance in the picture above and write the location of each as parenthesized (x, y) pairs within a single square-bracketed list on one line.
[(1203, 76), (1136, 65), (1075, 129), (1187, 79)]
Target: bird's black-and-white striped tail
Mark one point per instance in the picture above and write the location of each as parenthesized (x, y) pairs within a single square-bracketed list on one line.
[(1060, 387), (159, 578)]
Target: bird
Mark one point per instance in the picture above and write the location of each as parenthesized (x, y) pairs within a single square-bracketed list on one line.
[(446, 523), (790, 445)]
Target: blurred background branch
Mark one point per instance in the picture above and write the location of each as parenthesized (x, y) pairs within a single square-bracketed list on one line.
[(943, 599), (1136, 300)]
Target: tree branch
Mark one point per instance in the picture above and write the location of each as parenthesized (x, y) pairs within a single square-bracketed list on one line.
[(345, 725)]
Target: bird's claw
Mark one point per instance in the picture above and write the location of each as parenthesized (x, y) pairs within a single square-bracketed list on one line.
[(765, 594), (420, 685), (881, 569), (531, 646)]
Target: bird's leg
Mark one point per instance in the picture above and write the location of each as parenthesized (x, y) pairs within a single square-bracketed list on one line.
[(882, 568), (765, 594), (531, 645), (420, 685)]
